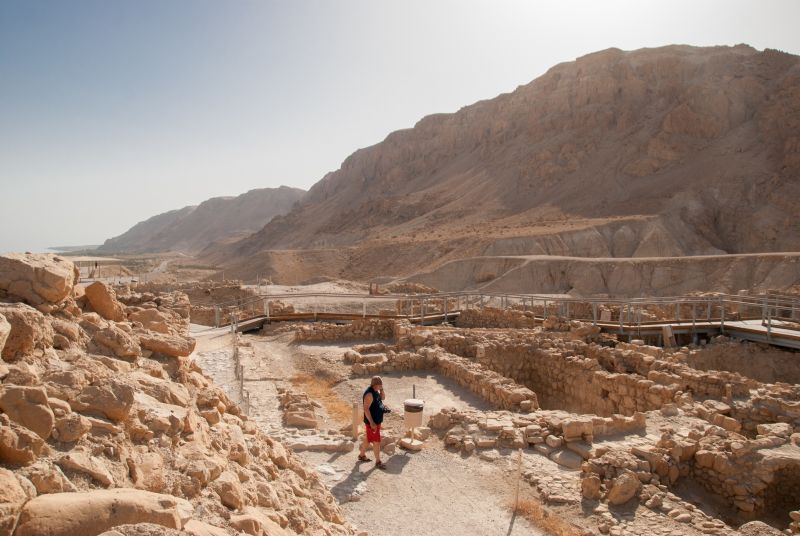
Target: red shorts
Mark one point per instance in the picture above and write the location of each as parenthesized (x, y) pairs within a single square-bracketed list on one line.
[(374, 435)]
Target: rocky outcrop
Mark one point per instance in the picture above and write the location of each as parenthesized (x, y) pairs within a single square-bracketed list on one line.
[(107, 432), (37, 279)]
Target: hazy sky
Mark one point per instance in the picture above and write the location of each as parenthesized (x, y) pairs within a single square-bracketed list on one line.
[(113, 111)]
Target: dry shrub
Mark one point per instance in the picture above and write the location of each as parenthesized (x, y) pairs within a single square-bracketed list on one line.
[(321, 389), (541, 517)]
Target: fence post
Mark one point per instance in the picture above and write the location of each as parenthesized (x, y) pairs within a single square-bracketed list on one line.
[(356, 421), (722, 315), (769, 323), (594, 313)]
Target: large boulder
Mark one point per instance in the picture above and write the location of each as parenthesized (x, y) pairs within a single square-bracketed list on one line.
[(117, 342), (103, 300), (624, 488), (18, 445), (153, 320), (28, 407), (37, 278), (5, 330), (112, 399), (12, 497), (93, 512), (229, 490), (255, 523), (29, 331), (169, 345), (71, 428)]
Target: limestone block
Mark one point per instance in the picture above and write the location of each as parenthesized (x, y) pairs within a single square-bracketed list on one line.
[(29, 331), (103, 300), (28, 406), (49, 479), (567, 458), (117, 342), (71, 427), (623, 488), (37, 278), (19, 446), (168, 345), (92, 512), (83, 462), (112, 399), (230, 490), (590, 487)]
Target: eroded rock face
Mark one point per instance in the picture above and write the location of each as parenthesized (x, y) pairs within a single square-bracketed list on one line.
[(103, 300), (36, 278), (29, 331), (12, 497), (91, 513)]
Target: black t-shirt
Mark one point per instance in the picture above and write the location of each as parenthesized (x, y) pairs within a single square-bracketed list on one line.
[(376, 408)]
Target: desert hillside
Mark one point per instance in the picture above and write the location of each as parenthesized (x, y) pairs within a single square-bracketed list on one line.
[(191, 229), (650, 153)]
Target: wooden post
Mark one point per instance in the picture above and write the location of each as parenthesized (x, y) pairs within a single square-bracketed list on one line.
[(356, 420), (519, 477)]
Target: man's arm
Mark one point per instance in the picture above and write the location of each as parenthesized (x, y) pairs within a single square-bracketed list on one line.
[(367, 414)]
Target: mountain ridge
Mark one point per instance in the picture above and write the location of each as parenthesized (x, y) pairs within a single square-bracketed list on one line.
[(218, 219)]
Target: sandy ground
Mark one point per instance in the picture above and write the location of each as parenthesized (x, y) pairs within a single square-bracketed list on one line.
[(432, 492)]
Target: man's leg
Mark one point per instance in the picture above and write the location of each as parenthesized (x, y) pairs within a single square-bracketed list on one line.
[(362, 449), (376, 448)]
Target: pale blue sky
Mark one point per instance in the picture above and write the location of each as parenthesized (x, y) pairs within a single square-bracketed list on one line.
[(112, 111)]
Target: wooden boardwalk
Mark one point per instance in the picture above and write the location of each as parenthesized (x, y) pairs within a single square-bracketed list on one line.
[(771, 320)]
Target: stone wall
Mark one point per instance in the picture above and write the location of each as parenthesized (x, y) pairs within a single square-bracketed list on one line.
[(490, 317), (491, 386), (359, 329), (757, 361)]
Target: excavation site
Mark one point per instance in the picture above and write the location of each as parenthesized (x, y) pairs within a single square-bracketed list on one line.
[(667, 416), (420, 268)]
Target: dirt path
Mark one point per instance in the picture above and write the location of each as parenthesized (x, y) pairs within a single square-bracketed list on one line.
[(433, 492)]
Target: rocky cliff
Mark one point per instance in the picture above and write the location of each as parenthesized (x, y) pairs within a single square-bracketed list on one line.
[(655, 152), (193, 228)]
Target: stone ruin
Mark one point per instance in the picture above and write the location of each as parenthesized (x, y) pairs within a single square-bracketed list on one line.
[(108, 427), (636, 424)]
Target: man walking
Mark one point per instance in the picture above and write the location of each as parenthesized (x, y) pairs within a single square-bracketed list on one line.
[(373, 417)]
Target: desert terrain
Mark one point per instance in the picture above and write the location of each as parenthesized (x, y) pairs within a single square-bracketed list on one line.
[(590, 285)]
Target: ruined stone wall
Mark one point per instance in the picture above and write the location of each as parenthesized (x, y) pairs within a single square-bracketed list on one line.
[(359, 329), (757, 361), (493, 387), (490, 317)]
